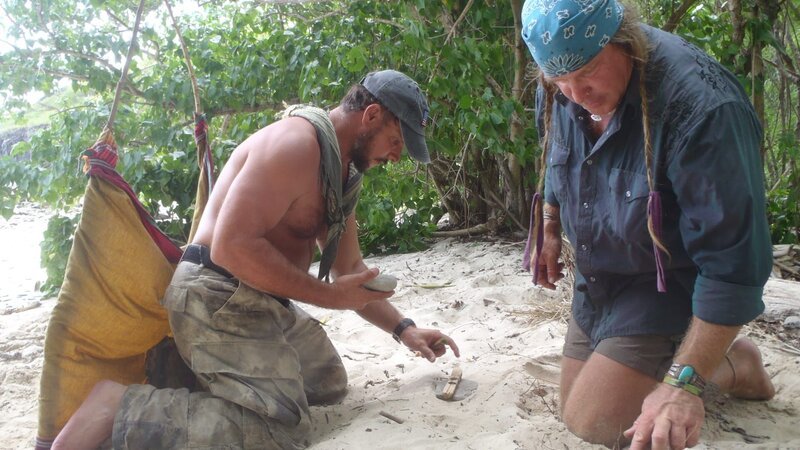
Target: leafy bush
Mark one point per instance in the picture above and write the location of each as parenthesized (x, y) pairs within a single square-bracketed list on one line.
[(252, 58), (783, 200), (55, 248), (783, 215), (395, 214)]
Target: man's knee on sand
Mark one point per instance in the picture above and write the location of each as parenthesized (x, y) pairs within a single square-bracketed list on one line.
[(603, 388), (326, 385), (593, 418), (595, 426)]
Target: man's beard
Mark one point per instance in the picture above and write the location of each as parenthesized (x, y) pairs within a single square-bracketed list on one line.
[(358, 154)]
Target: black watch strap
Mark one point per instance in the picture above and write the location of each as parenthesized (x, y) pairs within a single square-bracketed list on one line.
[(398, 330)]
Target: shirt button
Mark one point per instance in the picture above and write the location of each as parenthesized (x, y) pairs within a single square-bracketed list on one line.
[(585, 205), (580, 117), (589, 162), (592, 279), (628, 194), (583, 247)]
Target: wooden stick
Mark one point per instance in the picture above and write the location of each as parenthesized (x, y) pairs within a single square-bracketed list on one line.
[(452, 383), (779, 251), (391, 417), (473, 231), (786, 267)]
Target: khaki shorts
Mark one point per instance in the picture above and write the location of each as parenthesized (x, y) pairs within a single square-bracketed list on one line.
[(647, 353)]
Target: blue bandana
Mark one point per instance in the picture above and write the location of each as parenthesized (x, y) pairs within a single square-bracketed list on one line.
[(564, 35)]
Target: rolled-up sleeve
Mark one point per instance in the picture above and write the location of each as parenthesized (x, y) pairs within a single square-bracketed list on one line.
[(549, 196), (718, 179)]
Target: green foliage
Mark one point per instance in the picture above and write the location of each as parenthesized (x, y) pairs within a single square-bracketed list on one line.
[(783, 200), (55, 249), (252, 58), (394, 214), (783, 215)]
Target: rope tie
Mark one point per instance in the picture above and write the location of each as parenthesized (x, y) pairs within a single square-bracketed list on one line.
[(205, 159)]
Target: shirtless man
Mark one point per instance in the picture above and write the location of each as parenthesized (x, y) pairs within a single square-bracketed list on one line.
[(260, 359)]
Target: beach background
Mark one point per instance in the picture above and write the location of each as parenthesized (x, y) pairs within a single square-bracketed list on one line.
[(510, 334)]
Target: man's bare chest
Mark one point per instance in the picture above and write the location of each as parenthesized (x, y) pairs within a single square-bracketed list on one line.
[(305, 218)]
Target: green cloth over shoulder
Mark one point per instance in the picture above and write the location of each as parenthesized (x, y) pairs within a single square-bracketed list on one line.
[(340, 201)]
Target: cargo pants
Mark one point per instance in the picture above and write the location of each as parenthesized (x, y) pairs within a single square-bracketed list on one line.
[(259, 360)]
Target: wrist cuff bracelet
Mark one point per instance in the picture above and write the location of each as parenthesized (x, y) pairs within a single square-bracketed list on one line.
[(550, 216), (683, 376)]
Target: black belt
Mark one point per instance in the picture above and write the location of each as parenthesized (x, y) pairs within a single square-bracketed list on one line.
[(200, 254)]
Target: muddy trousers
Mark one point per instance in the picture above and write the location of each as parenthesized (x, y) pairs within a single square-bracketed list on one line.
[(259, 359)]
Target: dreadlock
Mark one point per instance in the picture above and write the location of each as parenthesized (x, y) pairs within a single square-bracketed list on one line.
[(633, 41)]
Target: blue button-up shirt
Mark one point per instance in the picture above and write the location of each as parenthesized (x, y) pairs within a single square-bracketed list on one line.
[(706, 140)]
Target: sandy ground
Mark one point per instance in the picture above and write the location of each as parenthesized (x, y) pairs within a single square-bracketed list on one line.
[(510, 334)]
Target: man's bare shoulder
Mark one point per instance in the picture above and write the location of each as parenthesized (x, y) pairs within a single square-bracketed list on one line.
[(292, 138)]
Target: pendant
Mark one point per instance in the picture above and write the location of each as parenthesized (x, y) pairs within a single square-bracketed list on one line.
[(596, 117)]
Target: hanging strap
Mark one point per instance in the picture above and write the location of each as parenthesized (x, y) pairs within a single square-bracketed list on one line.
[(535, 231), (340, 202)]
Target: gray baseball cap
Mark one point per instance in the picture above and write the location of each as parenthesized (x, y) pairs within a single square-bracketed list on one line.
[(402, 96)]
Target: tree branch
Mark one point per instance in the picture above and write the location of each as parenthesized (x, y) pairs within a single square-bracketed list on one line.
[(479, 229), (10, 18), (42, 22), (389, 22), (458, 22), (737, 37), (784, 70), (678, 14), (60, 74), (248, 109), (500, 204), (92, 58), (116, 19)]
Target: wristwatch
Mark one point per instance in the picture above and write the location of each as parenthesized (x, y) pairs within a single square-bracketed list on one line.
[(398, 330), (683, 376)]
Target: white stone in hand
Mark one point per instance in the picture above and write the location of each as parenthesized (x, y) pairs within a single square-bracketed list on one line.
[(383, 283)]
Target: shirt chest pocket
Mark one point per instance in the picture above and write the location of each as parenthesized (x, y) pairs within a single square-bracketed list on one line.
[(626, 216), (559, 172)]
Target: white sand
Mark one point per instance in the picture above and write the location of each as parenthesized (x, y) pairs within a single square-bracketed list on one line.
[(510, 334)]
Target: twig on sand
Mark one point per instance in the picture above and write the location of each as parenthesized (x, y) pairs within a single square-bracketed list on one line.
[(391, 417), (790, 348), (434, 286)]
